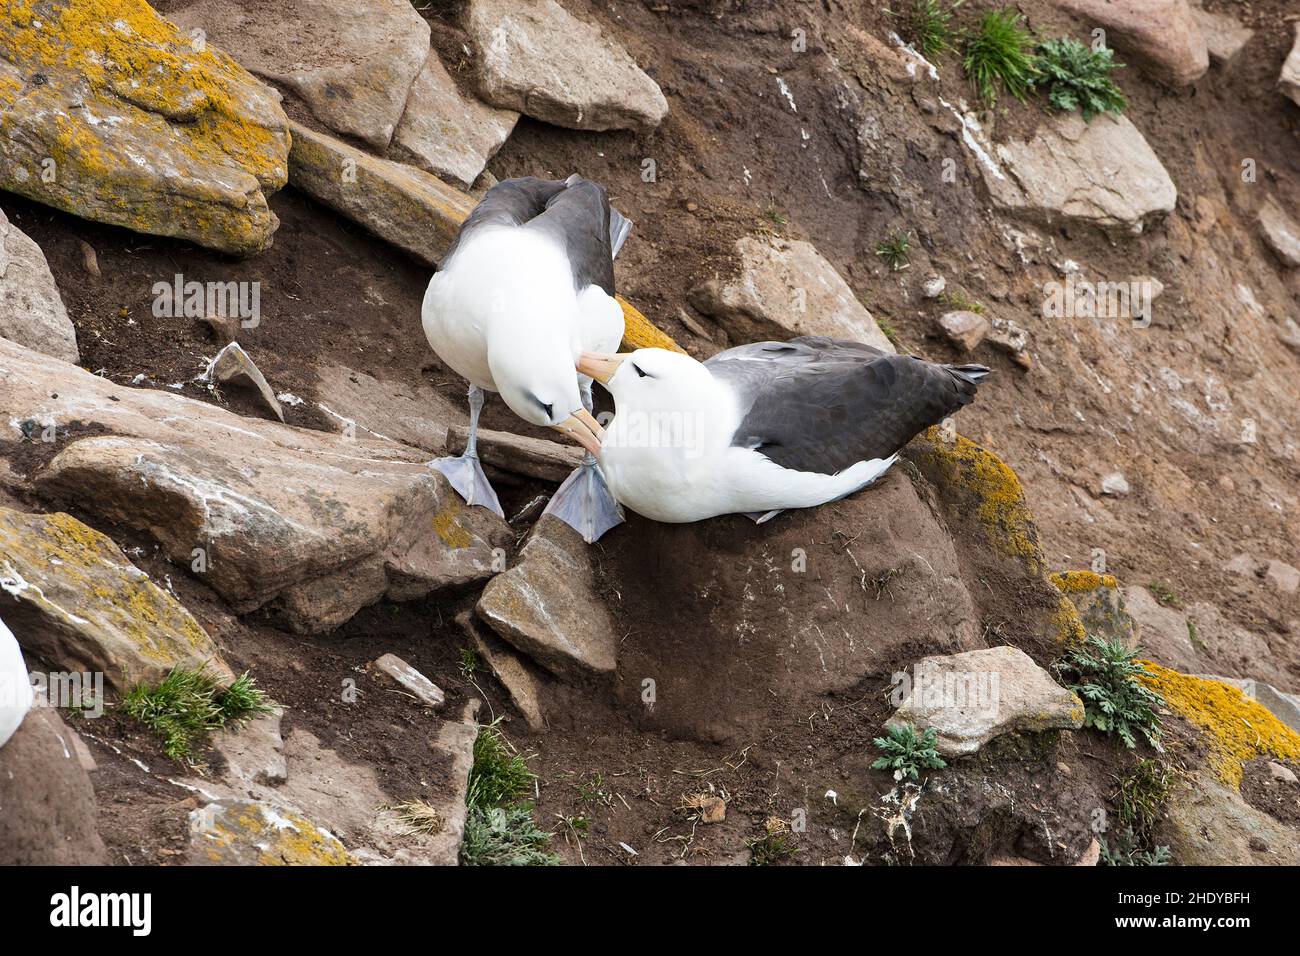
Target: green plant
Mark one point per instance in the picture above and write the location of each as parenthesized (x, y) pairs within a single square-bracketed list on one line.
[(906, 753), (1115, 700), (769, 849), (1165, 594), (1128, 851), (1000, 53), (500, 830), (894, 249), (1078, 77), (468, 662), (500, 774), (925, 25), (1141, 795), (775, 216), (956, 300), (186, 705), (1194, 636)]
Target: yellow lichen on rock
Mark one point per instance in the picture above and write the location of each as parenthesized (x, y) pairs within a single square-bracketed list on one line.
[(640, 333), (1237, 728), (1068, 625), (245, 832), (1071, 582)]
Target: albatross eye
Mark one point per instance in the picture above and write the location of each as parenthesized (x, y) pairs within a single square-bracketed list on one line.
[(637, 368)]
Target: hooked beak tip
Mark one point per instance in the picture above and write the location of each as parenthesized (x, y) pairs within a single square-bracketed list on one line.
[(599, 366)]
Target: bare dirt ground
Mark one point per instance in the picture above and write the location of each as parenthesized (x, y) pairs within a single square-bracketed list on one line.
[(1165, 405)]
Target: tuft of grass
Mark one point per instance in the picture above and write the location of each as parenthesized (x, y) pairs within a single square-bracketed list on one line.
[(1000, 55), (1128, 851), (186, 706), (955, 300), (893, 250), (926, 26), (468, 662), (775, 216), (1114, 700), (769, 849), (499, 828), (1141, 796), (419, 817), (1165, 594), (1077, 77), (906, 753)]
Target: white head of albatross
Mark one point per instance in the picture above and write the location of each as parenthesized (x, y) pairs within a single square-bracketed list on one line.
[(761, 428)]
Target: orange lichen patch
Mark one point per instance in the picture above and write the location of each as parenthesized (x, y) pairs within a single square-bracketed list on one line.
[(242, 830), (449, 530), (998, 498), (1067, 625), (640, 333), (1237, 728), (1074, 582)]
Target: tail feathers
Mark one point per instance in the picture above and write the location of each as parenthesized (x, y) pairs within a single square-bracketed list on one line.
[(619, 227), (969, 373)]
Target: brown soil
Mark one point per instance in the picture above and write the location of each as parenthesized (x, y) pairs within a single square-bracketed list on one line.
[(732, 159)]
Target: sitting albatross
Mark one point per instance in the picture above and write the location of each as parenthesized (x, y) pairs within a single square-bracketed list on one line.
[(765, 427), (527, 286)]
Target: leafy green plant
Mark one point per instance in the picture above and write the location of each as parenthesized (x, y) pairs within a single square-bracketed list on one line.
[(500, 774), (926, 26), (1128, 851), (187, 705), (1141, 795), (1078, 77), (1000, 53), (906, 753), (894, 249), (499, 829), (1115, 701)]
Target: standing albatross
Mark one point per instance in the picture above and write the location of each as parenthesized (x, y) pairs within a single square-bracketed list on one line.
[(765, 427), (527, 286)]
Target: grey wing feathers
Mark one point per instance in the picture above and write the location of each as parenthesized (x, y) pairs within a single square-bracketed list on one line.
[(574, 211), (822, 405)]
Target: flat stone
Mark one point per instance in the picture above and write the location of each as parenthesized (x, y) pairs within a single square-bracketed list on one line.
[(253, 753), (520, 681), (400, 204), (534, 57), (1224, 35), (1280, 232), (352, 63), (785, 288), (74, 600), (972, 697), (318, 525), (146, 129), (411, 680), (966, 330), (1161, 33), (518, 454), (547, 607), (234, 832), (1102, 173), (445, 133), (1289, 79), (31, 309), (1282, 774), (232, 366), (412, 413), (49, 816)]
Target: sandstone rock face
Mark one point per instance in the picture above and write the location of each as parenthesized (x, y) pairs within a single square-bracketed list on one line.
[(1281, 233), (521, 682), (535, 58), (1207, 823), (1162, 631), (970, 698), (49, 804), (1224, 35), (784, 289), (1103, 173), (78, 603), (1163, 33), (448, 134), (352, 63), (31, 309), (405, 206), (320, 524), (1289, 80), (547, 607), (113, 114)]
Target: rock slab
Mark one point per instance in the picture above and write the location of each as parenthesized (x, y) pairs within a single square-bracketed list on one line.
[(1162, 33), (31, 309)]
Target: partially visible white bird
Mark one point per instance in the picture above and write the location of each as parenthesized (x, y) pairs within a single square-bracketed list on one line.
[(527, 286), (761, 428), (15, 685)]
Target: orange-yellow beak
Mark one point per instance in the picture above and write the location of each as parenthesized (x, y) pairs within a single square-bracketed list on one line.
[(598, 366), (583, 429)]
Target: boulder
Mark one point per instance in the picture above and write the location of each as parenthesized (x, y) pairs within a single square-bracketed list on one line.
[(352, 63), (233, 366), (783, 288), (1281, 233), (48, 816), (1102, 173), (75, 601), (966, 330), (1100, 604), (31, 310), (1161, 33), (1289, 80), (446, 133), (400, 204), (537, 59), (970, 698), (1224, 35), (520, 680), (233, 832), (548, 608), (1208, 823), (319, 524), (114, 114)]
